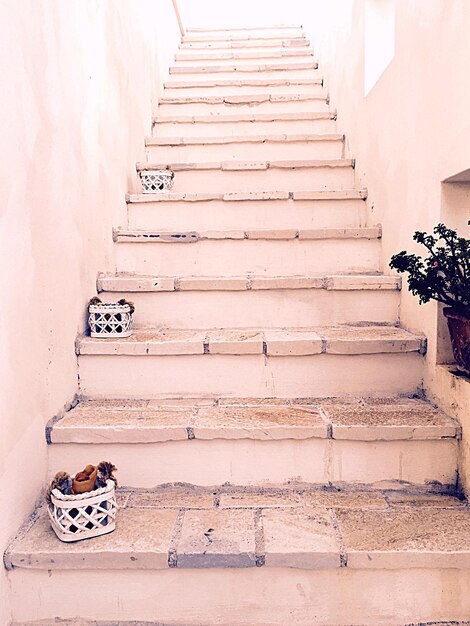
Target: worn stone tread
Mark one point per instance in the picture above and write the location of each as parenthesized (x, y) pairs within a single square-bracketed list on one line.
[(224, 118), (244, 82), (235, 99), (190, 237), (229, 139), (349, 340), (80, 622), (231, 527), (242, 68), (247, 165), (121, 421), (128, 282)]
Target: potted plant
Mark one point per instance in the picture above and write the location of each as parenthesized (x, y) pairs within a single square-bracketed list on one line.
[(443, 275)]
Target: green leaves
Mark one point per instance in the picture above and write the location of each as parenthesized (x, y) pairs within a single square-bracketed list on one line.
[(444, 274)]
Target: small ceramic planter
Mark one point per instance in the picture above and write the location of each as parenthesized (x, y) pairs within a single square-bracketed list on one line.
[(82, 516), (154, 181), (110, 320), (459, 329)]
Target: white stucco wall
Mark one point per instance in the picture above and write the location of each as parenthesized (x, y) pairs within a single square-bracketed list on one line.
[(408, 134), (78, 81)]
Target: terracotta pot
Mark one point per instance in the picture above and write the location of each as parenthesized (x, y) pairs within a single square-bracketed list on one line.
[(459, 329), (85, 481)]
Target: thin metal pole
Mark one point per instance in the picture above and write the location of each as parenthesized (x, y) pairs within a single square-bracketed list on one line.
[(178, 17)]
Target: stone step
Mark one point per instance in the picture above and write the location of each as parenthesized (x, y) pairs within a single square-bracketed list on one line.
[(280, 31), (224, 55), (246, 67), (280, 71), (81, 622), (269, 252), (321, 123), (335, 442), (224, 44), (249, 103), (275, 27), (235, 101), (280, 342), (234, 118), (242, 556), (298, 37), (300, 59), (296, 174), (313, 123), (273, 210), (242, 301), (292, 146), (247, 86), (282, 363)]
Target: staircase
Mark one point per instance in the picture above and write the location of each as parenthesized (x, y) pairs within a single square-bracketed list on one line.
[(278, 461)]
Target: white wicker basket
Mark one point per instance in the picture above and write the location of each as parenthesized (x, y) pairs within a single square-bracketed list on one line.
[(110, 320), (85, 515), (154, 181)]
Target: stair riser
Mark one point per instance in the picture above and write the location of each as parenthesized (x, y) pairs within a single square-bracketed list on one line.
[(241, 74), (244, 309), (249, 375), (239, 151), (243, 597), (263, 58), (201, 108), (217, 215), (294, 35), (243, 90), (211, 129), (245, 462), (257, 44), (275, 53), (229, 34), (235, 257), (333, 178)]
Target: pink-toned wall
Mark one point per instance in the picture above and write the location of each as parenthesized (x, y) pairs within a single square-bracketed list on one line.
[(406, 116), (79, 79)]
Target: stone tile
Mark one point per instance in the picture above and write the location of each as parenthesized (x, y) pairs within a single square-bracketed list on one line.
[(280, 234), (236, 196), (174, 342), (406, 537), (400, 499), (339, 233), (369, 340), (180, 403), (362, 282), (253, 402), (144, 426), (132, 283), (262, 422), (223, 234), (292, 342), (300, 539), (86, 405), (346, 499), (244, 165), (217, 538), (152, 342), (348, 194), (206, 283), (261, 498), (397, 419), (173, 498), (141, 541), (235, 342), (135, 345), (287, 282)]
